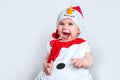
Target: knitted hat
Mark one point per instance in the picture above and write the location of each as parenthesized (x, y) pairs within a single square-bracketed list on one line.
[(73, 13)]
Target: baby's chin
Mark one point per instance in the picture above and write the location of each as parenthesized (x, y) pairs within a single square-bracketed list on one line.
[(67, 39), (64, 40)]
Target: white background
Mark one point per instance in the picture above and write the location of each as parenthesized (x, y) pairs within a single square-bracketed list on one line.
[(26, 26)]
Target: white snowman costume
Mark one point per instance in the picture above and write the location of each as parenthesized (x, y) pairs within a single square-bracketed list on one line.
[(62, 68)]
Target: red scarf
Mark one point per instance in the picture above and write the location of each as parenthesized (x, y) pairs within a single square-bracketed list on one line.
[(57, 45)]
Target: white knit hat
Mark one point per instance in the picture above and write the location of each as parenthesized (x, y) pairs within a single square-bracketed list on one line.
[(73, 13)]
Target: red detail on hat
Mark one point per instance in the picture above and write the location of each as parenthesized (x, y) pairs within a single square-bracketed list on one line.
[(55, 35), (79, 10)]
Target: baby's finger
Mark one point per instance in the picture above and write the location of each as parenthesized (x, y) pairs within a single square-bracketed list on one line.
[(51, 62), (48, 65), (48, 71), (79, 65), (76, 64), (73, 61)]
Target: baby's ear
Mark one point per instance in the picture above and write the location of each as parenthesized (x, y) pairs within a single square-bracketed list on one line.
[(78, 31)]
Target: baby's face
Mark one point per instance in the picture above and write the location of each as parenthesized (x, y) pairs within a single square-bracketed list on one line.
[(67, 30)]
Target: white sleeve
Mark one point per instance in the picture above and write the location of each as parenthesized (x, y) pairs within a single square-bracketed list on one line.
[(48, 47), (87, 47)]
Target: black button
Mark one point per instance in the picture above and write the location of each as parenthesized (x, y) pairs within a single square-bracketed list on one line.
[(60, 66)]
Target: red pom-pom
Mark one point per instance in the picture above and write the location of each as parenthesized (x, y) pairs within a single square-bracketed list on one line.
[(55, 35)]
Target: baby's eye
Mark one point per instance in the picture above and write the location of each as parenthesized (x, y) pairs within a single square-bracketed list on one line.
[(61, 24), (70, 23)]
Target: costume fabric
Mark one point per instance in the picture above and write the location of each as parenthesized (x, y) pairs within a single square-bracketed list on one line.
[(62, 68)]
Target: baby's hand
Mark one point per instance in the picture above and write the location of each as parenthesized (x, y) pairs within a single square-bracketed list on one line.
[(78, 63), (48, 67)]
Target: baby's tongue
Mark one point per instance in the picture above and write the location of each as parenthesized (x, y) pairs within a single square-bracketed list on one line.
[(66, 35)]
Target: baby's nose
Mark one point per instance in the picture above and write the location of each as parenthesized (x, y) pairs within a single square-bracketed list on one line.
[(65, 26)]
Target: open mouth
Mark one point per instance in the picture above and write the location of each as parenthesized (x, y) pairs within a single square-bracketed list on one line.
[(66, 35)]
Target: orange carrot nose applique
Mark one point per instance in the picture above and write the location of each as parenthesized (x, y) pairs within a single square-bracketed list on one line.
[(69, 11)]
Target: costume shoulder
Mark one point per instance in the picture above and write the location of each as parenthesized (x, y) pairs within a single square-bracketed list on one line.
[(87, 46)]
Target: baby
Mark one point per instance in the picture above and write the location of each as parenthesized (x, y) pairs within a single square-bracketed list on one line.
[(68, 56)]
